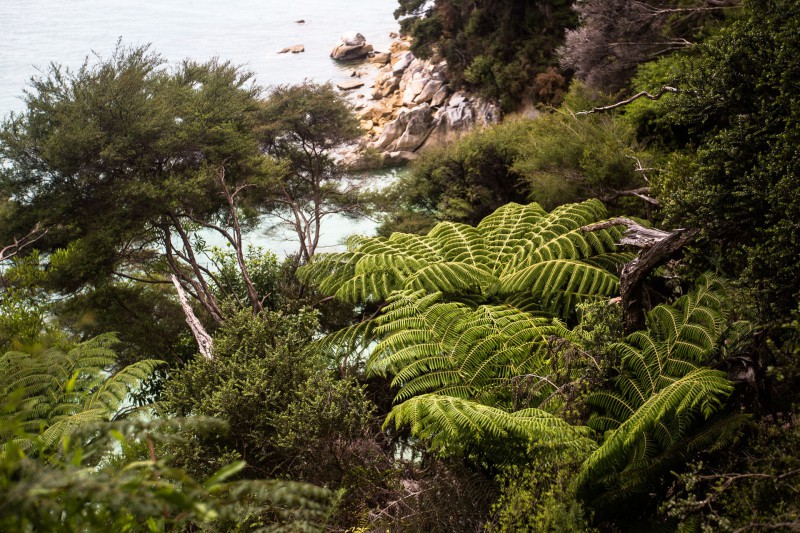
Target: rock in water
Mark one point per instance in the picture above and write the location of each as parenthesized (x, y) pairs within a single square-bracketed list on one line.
[(351, 46), (350, 85), (296, 49)]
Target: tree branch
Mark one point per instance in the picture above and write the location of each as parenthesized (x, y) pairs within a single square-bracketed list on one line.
[(656, 247), (644, 94), (7, 252), (204, 340)]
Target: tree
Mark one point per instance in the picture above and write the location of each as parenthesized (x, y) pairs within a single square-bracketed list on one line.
[(739, 107), (496, 47), (467, 314), (469, 336), (615, 37), (123, 159), (302, 127)]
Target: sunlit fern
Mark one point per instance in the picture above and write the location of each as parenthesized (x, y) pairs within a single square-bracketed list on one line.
[(516, 250), (469, 310), (48, 395), (666, 402), (448, 424)]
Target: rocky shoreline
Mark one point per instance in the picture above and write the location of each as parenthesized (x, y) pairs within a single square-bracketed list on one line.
[(410, 107)]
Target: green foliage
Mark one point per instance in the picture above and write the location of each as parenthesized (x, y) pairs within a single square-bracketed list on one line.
[(496, 47), (567, 159), (452, 425), (53, 393), (287, 416), (541, 496), (302, 126), (23, 302), (761, 474), (259, 364), (264, 271), (739, 108), (554, 159), (667, 402), (464, 181), (468, 315), (114, 146), (148, 322), (60, 468), (518, 250)]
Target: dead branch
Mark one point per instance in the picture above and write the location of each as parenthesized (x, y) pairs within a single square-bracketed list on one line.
[(644, 94), (204, 340), (641, 192), (656, 247), (7, 252)]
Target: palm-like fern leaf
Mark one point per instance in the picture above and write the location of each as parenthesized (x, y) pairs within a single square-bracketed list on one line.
[(664, 391), (431, 345), (50, 394), (447, 422), (469, 310), (517, 248)]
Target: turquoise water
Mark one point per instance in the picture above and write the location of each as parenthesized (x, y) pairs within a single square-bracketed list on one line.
[(246, 32)]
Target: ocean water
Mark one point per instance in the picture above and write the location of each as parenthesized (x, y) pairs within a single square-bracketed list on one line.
[(34, 33)]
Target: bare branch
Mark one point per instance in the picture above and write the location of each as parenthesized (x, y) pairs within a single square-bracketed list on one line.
[(644, 94), (7, 252), (656, 247), (639, 193), (204, 340)]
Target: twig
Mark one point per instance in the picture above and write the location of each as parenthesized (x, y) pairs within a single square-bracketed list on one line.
[(644, 94)]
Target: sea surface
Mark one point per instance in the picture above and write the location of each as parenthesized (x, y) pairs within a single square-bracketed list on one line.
[(35, 33)]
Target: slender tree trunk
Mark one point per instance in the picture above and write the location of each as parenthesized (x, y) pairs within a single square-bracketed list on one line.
[(252, 293), (204, 340)]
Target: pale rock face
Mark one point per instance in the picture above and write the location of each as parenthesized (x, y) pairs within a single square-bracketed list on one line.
[(408, 131), (353, 39), (428, 92), (350, 85), (457, 99), (381, 58), (453, 122), (441, 96), (402, 63), (414, 109), (413, 89), (398, 158)]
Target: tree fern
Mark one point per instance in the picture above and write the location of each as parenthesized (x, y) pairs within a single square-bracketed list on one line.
[(450, 424), (665, 402), (469, 310), (50, 394), (431, 345), (516, 249)]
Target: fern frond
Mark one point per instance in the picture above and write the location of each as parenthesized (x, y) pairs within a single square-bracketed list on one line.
[(702, 391), (446, 422)]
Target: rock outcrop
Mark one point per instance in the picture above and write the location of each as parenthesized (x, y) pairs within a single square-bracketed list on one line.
[(296, 49), (350, 85), (413, 107), (351, 46)]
